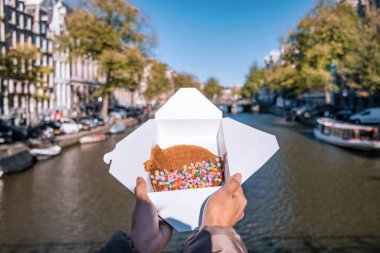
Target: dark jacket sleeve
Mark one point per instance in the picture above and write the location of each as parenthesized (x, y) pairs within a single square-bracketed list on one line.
[(118, 243), (215, 239)]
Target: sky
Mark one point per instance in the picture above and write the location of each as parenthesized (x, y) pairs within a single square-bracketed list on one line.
[(219, 38)]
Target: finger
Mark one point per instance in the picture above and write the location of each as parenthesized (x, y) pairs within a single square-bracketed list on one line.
[(140, 189), (233, 183)]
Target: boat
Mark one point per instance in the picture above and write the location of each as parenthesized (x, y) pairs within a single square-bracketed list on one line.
[(92, 138), (117, 128), (44, 153), (17, 162), (347, 135)]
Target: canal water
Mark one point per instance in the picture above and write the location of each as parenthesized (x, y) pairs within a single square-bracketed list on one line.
[(310, 197)]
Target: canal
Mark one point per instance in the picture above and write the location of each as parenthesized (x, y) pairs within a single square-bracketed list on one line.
[(310, 197)]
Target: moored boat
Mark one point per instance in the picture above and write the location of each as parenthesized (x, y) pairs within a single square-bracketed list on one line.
[(117, 128), (46, 152), (17, 162), (347, 135), (92, 138)]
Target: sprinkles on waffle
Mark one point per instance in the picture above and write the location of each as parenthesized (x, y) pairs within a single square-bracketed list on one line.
[(207, 172)]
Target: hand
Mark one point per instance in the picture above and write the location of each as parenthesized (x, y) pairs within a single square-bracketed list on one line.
[(226, 206), (149, 234)]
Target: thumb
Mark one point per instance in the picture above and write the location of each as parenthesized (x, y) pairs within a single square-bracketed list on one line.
[(140, 189), (233, 183)]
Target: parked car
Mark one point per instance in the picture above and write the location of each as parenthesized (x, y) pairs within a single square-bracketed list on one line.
[(5, 132), (10, 133), (90, 121), (343, 115), (100, 120), (298, 112), (83, 126), (118, 113), (369, 116), (46, 129), (134, 112), (69, 126)]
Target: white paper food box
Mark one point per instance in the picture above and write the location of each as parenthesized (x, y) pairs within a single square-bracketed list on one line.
[(189, 118)]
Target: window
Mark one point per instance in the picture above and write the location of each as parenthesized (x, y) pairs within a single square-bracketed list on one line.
[(19, 5), (348, 134), (326, 130), (366, 113), (365, 135), (26, 21), (1, 8), (337, 132), (43, 28), (2, 32), (9, 15), (29, 26), (18, 18)]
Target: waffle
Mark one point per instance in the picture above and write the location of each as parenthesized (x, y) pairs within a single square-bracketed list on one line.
[(183, 167)]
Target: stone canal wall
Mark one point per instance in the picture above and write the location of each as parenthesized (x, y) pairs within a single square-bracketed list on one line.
[(63, 140), (8, 150)]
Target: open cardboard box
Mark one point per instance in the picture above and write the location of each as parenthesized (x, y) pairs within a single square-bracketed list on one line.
[(189, 118)]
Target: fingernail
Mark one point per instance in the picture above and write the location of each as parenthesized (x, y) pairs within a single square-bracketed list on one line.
[(139, 180)]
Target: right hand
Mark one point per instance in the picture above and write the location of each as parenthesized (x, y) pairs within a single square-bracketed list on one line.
[(226, 206)]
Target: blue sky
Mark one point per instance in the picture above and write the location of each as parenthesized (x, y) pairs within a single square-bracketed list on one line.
[(220, 38)]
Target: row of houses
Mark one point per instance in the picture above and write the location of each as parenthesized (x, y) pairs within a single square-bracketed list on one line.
[(69, 86)]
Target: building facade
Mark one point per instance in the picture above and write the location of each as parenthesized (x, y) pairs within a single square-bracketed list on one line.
[(85, 79), (19, 27), (75, 79), (57, 11)]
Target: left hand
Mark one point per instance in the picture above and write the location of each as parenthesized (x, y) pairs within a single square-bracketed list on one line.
[(149, 234)]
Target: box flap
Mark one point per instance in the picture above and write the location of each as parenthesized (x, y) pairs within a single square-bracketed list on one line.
[(180, 208), (247, 148), (188, 103), (130, 154)]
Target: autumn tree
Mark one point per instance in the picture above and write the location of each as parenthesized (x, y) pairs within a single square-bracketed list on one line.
[(158, 83), (361, 65), (21, 64), (212, 88), (255, 80), (317, 49), (109, 32), (184, 80)]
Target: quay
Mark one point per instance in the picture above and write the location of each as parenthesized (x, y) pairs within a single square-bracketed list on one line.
[(71, 139), (16, 157)]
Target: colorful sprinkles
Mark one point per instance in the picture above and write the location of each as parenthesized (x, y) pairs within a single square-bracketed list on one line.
[(195, 175)]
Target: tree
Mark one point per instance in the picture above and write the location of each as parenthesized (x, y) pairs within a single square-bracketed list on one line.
[(109, 32), (316, 51), (20, 64), (212, 88), (184, 80), (255, 80), (158, 82), (123, 70), (361, 65)]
